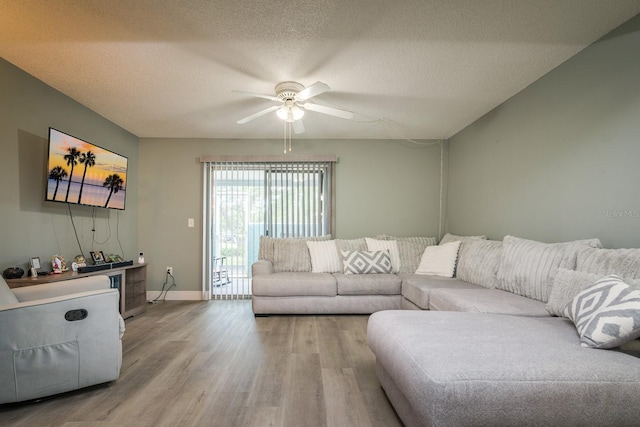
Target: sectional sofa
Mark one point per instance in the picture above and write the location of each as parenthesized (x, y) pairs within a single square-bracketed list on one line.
[(523, 333)]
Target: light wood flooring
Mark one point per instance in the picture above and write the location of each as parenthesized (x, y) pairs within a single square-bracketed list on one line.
[(214, 364)]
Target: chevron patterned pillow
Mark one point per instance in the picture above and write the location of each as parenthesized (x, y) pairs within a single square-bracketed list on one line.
[(606, 314), (367, 262)]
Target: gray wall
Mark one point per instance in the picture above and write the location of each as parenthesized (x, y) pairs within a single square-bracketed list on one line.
[(382, 186), (29, 226), (561, 159)]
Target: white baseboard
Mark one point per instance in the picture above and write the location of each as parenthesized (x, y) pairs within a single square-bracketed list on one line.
[(176, 295)]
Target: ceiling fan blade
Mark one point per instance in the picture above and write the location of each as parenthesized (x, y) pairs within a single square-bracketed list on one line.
[(310, 91), (257, 95), (298, 127), (258, 114), (343, 114)]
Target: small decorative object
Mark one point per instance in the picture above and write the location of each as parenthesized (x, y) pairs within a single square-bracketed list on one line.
[(58, 264), (97, 257), (13, 273), (141, 258), (34, 266), (80, 260), (113, 258)]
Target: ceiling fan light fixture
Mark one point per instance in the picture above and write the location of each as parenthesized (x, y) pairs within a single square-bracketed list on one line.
[(290, 113), (283, 112)]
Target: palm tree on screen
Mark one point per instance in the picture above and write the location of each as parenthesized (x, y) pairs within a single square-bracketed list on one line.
[(57, 173), (72, 160), (89, 160), (114, 183)]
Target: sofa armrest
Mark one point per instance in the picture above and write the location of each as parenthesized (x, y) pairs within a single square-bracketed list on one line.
[(262, 267), (63, 287)]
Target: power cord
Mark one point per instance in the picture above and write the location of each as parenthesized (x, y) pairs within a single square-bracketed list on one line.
[(75, 230), (164, 285)]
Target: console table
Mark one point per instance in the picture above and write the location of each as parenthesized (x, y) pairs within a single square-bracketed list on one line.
[(131, 280)]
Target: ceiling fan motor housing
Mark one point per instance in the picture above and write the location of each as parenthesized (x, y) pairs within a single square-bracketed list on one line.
[(288, 90)]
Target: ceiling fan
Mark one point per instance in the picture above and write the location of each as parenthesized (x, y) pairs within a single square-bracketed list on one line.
[(293, 99)]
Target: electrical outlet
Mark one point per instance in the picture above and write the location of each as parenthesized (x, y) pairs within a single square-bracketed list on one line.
[(170, 270)]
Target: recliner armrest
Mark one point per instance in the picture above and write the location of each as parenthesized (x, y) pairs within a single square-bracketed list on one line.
[(47, 348), (62, 287)]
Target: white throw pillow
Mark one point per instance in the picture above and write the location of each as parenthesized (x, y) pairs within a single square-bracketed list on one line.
[(324, 256), (389, 245), (439, 260)]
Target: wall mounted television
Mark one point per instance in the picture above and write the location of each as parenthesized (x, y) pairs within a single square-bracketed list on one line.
[(82, 173)]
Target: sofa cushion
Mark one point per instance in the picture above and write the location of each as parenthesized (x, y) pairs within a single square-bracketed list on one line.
[(287, 254), (478, 261), (324, 256), (366, 262), (439, 260), (448, 238), (6, 295), (410, 250), (528, 267), (485, 301), (294, 284), (566, 285), (389, 245), (368, 284), (623, 262), (416, 288), (458, 369), (607, 313)]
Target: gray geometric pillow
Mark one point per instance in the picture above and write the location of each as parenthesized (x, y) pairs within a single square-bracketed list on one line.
[(366, 262), (349, 245), (606, 314)]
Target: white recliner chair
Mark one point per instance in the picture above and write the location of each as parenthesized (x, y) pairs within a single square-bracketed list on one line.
[(58, 337)]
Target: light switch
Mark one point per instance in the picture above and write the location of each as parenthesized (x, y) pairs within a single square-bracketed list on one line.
[(190, 222)]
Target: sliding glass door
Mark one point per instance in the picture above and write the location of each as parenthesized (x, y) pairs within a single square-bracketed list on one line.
[(246, 200)]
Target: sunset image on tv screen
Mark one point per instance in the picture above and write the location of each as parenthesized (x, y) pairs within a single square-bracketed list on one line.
[(82, 173)]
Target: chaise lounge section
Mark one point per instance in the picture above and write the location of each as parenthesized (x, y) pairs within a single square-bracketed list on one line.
[(474, 369), (499, 357)]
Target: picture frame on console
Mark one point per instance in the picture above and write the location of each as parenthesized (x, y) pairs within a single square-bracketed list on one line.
[(97, 257)]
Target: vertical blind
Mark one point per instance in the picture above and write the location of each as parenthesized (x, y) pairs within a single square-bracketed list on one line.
[(244, 199), (295, 196)]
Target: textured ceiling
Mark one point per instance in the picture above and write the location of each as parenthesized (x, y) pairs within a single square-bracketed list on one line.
[(421, 69)]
